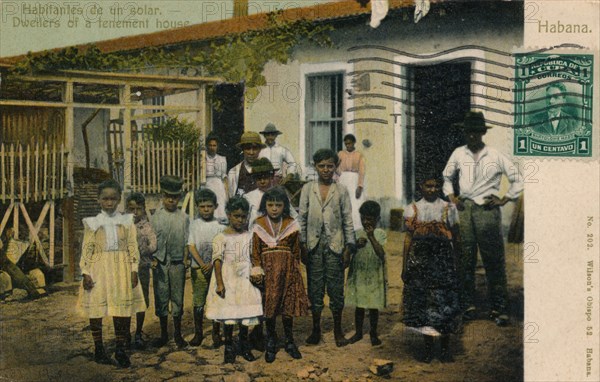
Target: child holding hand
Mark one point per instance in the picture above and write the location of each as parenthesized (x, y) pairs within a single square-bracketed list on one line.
[(232, 299), (202, 232), (276, 265), (147, 244), (367, 279), (431, 245)]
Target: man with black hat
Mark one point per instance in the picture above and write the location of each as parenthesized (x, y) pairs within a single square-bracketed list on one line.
[(479, 169), (172, 230), (239, 178), (277, 154)]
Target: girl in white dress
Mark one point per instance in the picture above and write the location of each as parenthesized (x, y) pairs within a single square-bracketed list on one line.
[(232, 299), (109, 264)]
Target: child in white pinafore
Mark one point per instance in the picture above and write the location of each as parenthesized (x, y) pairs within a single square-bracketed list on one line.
[(232, 299)]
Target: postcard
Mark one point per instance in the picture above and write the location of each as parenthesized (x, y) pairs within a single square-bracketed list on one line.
[(360, 190)]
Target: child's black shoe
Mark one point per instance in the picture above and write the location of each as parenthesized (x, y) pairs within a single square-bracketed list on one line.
[(355, 338), (122, 358), (139, 342), (271, 348), (101, 357), (270, 356), (229, 354), (180, 342), (248, 356), (375, 341), (293, 351), (160, 342), (314, 338)]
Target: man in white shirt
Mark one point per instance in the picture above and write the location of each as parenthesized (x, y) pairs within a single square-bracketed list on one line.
[(479, 169), (277, 154)]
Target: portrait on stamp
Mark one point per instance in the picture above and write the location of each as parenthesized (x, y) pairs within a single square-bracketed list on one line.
[(553, 104)]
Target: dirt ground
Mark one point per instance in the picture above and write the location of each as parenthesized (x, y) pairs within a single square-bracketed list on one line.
[(46, 340)]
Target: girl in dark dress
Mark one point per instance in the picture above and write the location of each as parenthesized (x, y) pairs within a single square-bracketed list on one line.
[(430, 298)]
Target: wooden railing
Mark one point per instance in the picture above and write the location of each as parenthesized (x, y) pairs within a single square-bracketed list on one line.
[(151, 160), (33, 173)]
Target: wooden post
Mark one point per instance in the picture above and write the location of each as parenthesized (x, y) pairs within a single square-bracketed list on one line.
[(51, 234), (16, 221), (203, 122), (69, 127), (3, 174), (125, 101), (68, 215), (240, 8), (11, 170)]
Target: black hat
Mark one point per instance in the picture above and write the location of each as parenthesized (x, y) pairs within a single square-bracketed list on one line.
[(271, 129), (262, 166), (474, 122), (171, 184)]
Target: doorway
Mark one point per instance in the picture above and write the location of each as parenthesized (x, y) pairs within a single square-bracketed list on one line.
[(440, 95), (228, 120)]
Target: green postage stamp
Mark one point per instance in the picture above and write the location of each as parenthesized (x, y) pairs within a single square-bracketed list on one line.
[(553, 105)]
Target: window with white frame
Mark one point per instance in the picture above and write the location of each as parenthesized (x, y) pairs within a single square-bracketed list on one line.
[(324, 112), (158, 101)]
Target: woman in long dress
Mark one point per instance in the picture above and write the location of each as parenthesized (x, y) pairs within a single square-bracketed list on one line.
[(351, 173), (216, 175)]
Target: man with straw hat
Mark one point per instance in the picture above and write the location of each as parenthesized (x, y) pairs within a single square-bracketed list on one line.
[(479, 169), (277, 154), (239, 178)]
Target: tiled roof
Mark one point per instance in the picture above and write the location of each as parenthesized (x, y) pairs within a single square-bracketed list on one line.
[(215, 29)]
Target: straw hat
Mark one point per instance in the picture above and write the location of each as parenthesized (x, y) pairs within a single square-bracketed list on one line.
[(250, 138)]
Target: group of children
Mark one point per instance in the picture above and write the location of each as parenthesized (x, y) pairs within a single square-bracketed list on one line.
[(245, 274)]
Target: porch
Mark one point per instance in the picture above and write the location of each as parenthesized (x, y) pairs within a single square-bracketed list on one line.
[(53, 123)]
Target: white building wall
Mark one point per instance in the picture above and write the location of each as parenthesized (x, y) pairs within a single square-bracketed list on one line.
[(277, 103)]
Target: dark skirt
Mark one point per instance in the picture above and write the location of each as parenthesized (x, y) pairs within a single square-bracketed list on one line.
[(431, 295)]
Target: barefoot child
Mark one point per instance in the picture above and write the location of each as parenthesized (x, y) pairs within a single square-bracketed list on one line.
[(232, 299), (431, 301), (276, 265), (202, 232), (109, 264), (168, 272), (367, 279), (146, 238), (327, 237)]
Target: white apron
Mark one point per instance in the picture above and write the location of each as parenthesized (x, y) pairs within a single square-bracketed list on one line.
[(216, 185), (350, 180)]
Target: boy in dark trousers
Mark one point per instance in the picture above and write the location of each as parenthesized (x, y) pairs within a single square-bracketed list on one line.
[(172, 229), (327, 237)]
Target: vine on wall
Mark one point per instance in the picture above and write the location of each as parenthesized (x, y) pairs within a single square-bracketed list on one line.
[(235, 58)]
